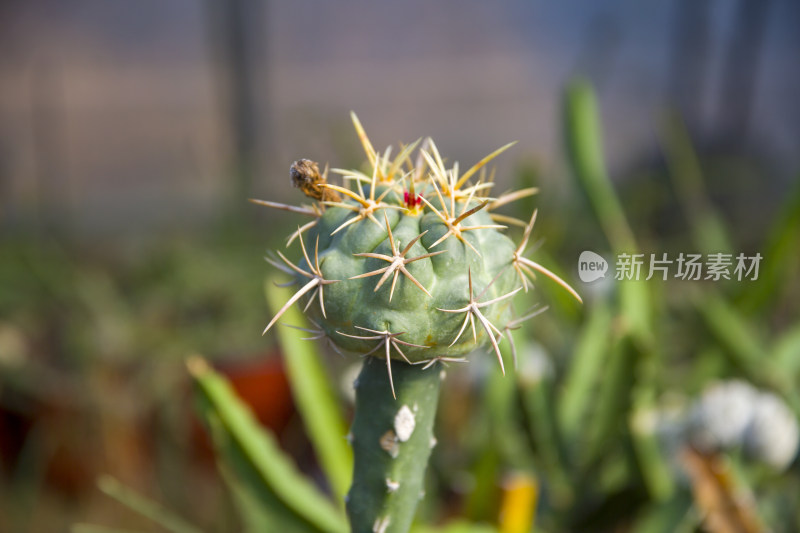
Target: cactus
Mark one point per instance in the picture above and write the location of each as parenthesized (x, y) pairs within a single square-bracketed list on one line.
[(407, 262)]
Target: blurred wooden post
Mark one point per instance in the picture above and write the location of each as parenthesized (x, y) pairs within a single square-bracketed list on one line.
[(740, 71), (50, 188), (235, 28), (689, 61)]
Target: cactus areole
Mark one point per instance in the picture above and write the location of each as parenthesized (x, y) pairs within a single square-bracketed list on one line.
[(408, 260)]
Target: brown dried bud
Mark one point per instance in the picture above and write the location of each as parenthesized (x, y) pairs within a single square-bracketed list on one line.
[(305, 175)]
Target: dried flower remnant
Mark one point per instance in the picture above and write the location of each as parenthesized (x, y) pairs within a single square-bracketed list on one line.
[(306, 177)]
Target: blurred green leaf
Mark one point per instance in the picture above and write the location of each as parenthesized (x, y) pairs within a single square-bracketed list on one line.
[(781, 255), (612, 401), (507, 435), (675, 515), (744, 346), (255, 514), (653, 465), (89, 528), (260, 466), (535, 384), (706, 224), (501, 444), (537, 400), (144, 506), (455, 527), (637, 307), (259, 509), (585, 148), (482, 499), (313, 395), (786, 351), (585, 371)]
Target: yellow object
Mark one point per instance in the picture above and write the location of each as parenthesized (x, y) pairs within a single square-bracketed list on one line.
[(518, 505)]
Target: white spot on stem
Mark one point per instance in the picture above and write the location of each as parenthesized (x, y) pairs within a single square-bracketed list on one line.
[(404, 423), (380, 525), (392, 486)]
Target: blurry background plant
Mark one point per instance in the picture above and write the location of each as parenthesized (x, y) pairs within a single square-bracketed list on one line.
[(130, 136)]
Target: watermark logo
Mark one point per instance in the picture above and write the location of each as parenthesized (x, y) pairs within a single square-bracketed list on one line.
[(687, 267), (591, 266)]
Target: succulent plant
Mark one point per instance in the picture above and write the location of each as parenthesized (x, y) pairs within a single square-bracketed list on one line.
[(405, 259), (407, 262)]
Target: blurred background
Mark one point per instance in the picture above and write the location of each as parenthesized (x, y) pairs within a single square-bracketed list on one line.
[(132, 133)]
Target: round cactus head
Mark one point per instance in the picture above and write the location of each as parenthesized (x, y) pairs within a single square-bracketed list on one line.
[(408, 260)]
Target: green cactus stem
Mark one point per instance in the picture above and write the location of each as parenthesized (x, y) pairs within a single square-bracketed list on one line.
[(392, 440)]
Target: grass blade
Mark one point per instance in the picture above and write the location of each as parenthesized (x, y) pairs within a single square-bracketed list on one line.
[(456, 527), (673, 516), (652, 463), (90, 528), (612, 402), (781, 256), (786, 351), (258, 461), (585, 371), (144, 506), (707, 225), (746, 350), (259, 508), (585, 147), (314, 396)]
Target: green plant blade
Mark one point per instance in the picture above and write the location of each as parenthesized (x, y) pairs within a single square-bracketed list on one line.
[(144, 506), (653, 465), (781, 255), (746, 350), (314, 395), (535, 386), (636, 306), (585, 149), (612, 402), (90, 528), (506, 432), (255, 515), (585, 371), (259, 509), (786, 351), (672, 516), (456, 527), (707, 225), (499, 440), (257, 461)]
